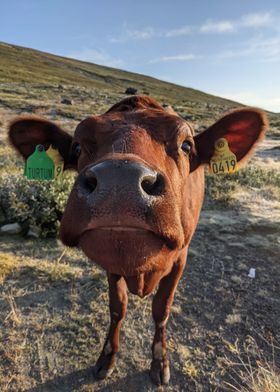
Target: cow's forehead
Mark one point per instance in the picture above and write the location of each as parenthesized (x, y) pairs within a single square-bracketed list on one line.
[(158, 124)]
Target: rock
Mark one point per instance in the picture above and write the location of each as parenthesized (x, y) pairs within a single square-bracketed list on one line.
[(193, 252), (188, 117), (53, 113), (33, 232), (66, 101), (11, 228), (28, 108), (131, 91)]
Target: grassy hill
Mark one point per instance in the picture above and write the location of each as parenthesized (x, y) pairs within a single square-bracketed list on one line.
[(34, 81), (22, 65)]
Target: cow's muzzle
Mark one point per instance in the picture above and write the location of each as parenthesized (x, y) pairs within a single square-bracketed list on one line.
[(119, 179)]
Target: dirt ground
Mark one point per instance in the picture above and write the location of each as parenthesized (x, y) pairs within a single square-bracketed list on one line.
[(54, 308)]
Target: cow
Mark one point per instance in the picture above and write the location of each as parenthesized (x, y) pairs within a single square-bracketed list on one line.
[(135, 204)]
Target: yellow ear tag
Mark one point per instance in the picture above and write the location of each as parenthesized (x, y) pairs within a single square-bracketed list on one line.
[(223, 161), (53, 153)]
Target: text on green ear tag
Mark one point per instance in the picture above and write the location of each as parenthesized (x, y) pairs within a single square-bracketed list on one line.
[(39, 166)]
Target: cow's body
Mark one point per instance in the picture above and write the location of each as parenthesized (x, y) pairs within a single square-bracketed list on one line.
[(136, 201)]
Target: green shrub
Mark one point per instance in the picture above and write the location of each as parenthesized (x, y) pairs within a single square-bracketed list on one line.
[(257, 177), (221, 188), (8, 157), (37, 204)]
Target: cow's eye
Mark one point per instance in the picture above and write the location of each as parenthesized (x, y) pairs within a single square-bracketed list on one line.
[(77, 150), (186, 147)]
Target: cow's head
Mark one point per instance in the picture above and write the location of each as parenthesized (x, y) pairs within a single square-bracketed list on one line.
[(139, 190)]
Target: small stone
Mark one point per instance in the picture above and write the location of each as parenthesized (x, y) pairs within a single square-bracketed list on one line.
[(131, 91), (53, 113), (236, 244), (66, 101), (33, 232), (189, 117), (193, 252), (11, 228)]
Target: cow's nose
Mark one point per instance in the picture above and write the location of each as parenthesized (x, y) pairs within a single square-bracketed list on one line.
[(90, 179), (123, 175), (151, 183)]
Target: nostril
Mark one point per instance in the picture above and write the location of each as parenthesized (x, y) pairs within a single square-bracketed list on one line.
[(90, 180), (153, 185)]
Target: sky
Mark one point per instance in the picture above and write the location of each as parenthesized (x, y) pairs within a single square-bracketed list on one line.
[(223, 47)]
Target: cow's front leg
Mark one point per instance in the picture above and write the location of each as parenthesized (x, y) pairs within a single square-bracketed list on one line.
[(118, 303), (160, 372)]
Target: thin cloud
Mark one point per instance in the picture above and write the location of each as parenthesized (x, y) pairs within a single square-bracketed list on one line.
[(179, 57), (184, 30), (257, 20), (265, 49), (128, 35), (96, 56), (246, 21), (217, 27), (252, 21)]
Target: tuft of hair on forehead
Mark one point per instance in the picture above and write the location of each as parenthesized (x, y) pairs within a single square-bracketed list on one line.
[(134, 103)]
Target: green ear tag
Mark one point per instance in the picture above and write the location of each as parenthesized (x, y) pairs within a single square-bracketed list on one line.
[(39, 166), (58, 161)]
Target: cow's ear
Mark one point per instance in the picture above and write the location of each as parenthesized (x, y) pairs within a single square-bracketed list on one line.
[(242, 129), (26, 132)]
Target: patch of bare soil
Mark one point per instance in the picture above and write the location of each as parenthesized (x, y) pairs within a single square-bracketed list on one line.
[(268, 153)]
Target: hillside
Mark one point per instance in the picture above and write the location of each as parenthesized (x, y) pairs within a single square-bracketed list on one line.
[(42, 79), (50, 69)]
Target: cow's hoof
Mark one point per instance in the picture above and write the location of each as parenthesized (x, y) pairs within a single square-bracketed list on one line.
[(104, 367), (160, 372)]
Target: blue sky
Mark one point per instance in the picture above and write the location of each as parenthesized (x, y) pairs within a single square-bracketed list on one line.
[(224, 47)]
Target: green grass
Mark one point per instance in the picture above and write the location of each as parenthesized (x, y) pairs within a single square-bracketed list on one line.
[(34, 82), (17, 64)]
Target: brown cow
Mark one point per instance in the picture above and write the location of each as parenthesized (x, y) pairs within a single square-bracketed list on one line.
[(136, 201)]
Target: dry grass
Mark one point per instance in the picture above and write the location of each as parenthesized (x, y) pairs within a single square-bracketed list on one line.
[(54, 270), (261, 376), (8, 262), (51, 269)]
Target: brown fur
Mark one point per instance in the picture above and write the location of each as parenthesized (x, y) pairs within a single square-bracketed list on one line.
[(139, 236)]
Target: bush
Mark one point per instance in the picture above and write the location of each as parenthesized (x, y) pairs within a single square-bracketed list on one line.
[(221, 188), (37, 204)]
